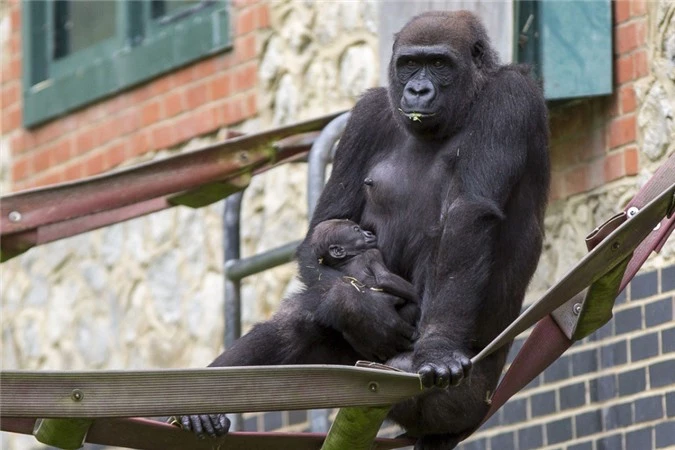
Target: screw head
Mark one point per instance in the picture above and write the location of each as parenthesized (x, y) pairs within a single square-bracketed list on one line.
[(243, 157), (576, 309), (14, 216), (77, 395), (632, 211), (373, 386)]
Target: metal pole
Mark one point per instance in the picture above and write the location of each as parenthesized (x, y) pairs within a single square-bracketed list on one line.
[(319, 157), (232, 304)]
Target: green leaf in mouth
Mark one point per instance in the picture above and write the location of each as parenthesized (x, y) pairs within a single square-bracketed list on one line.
[(414, 116)]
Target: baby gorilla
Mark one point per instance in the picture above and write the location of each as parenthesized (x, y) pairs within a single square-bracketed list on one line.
[(344, 246), (306, 330)]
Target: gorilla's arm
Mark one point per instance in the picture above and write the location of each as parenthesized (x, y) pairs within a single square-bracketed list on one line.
[(490, 240), (388, 281)]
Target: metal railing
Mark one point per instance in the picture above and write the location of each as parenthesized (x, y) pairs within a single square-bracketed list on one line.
[(238, 268)]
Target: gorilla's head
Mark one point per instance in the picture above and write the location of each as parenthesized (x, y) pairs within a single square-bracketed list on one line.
[(439, 62), (336, 241)]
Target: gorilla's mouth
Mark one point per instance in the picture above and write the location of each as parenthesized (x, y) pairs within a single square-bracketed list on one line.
[(416, 116)]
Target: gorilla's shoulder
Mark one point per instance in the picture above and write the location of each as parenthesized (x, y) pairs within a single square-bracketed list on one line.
[(374, 103), (518, 79)]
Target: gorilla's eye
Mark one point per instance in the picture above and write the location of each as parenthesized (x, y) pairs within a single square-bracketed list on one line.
[(356, 228), (438, 63)]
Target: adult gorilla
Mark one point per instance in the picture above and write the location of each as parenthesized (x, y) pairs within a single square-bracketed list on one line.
[(449, 168)]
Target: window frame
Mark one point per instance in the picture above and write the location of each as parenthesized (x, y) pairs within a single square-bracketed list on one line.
[(572, 61), (53, 88)]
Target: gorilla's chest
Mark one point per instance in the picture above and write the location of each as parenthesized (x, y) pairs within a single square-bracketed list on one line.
[(404, 194), (405, 182)]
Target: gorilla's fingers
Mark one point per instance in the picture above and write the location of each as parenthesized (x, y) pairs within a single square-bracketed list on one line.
[(466, 363), (428, 374), (207, 425), (195, 425), (220, 423), (185, 422), (224, 423), (443, 375), (456, 375)]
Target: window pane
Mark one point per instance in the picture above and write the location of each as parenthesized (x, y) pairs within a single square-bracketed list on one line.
[(79, 24), (162, 8)]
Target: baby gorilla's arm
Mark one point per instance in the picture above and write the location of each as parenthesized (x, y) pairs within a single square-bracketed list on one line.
[(388, 281)]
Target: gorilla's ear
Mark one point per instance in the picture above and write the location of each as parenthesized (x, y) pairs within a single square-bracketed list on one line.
[(477, 52), (337, 251)]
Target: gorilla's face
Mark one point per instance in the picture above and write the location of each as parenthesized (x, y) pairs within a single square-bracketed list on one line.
[(335, 241), (423, 73), (431, 85), (436, 69)]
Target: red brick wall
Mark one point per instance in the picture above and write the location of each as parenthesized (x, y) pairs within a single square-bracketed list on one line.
[(594, 141), (169, 110)]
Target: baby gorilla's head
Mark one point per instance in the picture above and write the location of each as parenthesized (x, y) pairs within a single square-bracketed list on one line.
[(336, 241)]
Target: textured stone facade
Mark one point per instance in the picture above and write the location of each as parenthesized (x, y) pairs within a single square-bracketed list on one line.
[(148, 293), (569, 219), (317, 59)]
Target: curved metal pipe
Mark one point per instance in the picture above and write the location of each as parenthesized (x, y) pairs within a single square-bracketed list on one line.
[(319, 157)]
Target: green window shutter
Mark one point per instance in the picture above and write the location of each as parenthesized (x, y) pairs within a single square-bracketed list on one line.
[(570, 45), (142, 48)]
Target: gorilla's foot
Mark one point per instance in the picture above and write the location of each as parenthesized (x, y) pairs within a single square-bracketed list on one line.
[(204, 425)]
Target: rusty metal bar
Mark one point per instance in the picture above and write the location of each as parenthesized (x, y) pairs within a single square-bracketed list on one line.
[(106, 199)]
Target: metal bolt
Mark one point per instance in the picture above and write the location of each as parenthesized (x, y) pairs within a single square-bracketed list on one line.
[(243, 157), (615, 246), (632, 211), (14, 216), (576, 309), (77, 395), (373, 386)]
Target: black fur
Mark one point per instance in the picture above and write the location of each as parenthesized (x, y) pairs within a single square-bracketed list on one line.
[(456, 165), (344, 246)]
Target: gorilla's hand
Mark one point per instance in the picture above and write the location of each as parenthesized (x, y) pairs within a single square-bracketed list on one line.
[(203, 425), (439, 366), (374, 327)]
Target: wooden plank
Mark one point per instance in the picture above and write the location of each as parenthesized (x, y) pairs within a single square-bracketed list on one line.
[(614, 249), (151, 393), (144, 434)]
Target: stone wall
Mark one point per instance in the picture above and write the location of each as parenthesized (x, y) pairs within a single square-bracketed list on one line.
[(571, 218), (152, 286), (317, 59)]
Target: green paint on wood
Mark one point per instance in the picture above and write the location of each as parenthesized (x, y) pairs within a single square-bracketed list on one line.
[(355, 428), (62, 433), (211, 192)]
